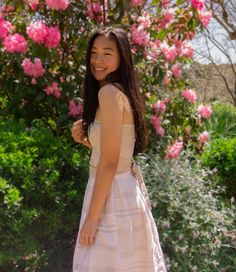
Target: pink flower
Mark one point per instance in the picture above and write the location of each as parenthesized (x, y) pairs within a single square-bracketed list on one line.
[(136, 2), (33, 4), (53, 38), (175, 149), (169, 52), (168, 18), (37, 31), (5, 28), (15, 43), (94, 11), (189, 95), (176, 70), (186, 50), (144, 20), (203, 137), (139, 35), (205, 111), (198, 4), (57, 4), (33, 69), (165, 3), (204, 17), (159, 106), (53, 90), (156, 122), (33, 81), (166, 80), (74, 109)]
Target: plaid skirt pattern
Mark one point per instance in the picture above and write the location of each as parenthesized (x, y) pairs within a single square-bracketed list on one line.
[(127, 238)]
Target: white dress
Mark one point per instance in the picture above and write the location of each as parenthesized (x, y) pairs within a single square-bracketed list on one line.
[(126, 239)]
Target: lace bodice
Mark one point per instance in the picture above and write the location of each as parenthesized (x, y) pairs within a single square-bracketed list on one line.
[(126, 149)]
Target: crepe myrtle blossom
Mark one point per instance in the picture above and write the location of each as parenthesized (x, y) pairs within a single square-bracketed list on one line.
[(139, 36), (165, 3), (169, 52), (204, 17), (197, 4), (137, 2), (159, 106), (42, 34), (176, 70), (57, 4), (34, 69), (168, 17), (204, 111), (94, 11), (74, 109), (53, 90), (37, 31), (33, 4), (203, 137), (156, 123), (15, 44), (144, 20), (175, 149), (189, 95), (53, 38), (5, 28)]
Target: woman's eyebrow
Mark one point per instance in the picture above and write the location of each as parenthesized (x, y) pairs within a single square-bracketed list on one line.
[(106, 48)]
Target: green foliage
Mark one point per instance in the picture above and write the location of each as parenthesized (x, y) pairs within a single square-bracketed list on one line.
[(221, 156), (42, 181), (223, 121), (196, 229)]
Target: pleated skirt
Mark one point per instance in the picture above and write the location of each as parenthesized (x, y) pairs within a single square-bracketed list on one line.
[(127, 238)]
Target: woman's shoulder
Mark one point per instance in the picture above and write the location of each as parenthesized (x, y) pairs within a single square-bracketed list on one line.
[(110, 90)]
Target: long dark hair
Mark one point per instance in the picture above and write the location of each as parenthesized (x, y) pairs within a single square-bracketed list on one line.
[(123, 78)]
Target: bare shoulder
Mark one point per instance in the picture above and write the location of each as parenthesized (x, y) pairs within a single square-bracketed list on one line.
[(110, 91)]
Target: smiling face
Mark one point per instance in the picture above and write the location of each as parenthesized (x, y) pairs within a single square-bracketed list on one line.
[(104, 58)]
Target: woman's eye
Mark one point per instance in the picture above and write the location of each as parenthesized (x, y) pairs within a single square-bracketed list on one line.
[(93, 52), (108, 54)]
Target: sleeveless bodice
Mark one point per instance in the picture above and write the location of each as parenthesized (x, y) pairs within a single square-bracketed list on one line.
[(126, 149)]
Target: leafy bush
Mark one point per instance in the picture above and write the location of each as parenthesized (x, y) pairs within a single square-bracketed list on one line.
[(221, 156), (223, 121), (42, 181), (193, 224)]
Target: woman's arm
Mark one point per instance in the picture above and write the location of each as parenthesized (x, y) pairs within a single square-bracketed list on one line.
[(111, 106)]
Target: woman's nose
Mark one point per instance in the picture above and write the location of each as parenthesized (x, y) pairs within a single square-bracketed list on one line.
[(97, 59)]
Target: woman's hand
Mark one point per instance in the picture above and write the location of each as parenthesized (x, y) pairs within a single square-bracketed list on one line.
[(77, 134), (87, 232)]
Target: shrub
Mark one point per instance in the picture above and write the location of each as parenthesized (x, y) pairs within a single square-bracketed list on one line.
[(42, 181), (221, 156), (191, 221), (223, 121)]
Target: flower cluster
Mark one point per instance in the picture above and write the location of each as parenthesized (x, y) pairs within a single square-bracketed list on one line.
[(74, 109), (205, 111), (189, 95), (5, 28), (42, 34), (57, 4), (94, 11), (34, 69), (15, 43), (139, 35), (137, 2), (175, 149), (53, 90)]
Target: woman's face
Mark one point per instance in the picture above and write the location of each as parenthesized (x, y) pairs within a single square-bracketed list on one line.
[(104, 58)]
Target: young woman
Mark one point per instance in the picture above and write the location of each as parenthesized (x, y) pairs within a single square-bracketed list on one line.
[(117, 232)]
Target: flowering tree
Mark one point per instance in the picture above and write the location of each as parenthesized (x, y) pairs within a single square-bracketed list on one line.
[(43, 44)]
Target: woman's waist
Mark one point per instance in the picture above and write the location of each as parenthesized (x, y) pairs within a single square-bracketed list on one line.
[(121, 168)]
